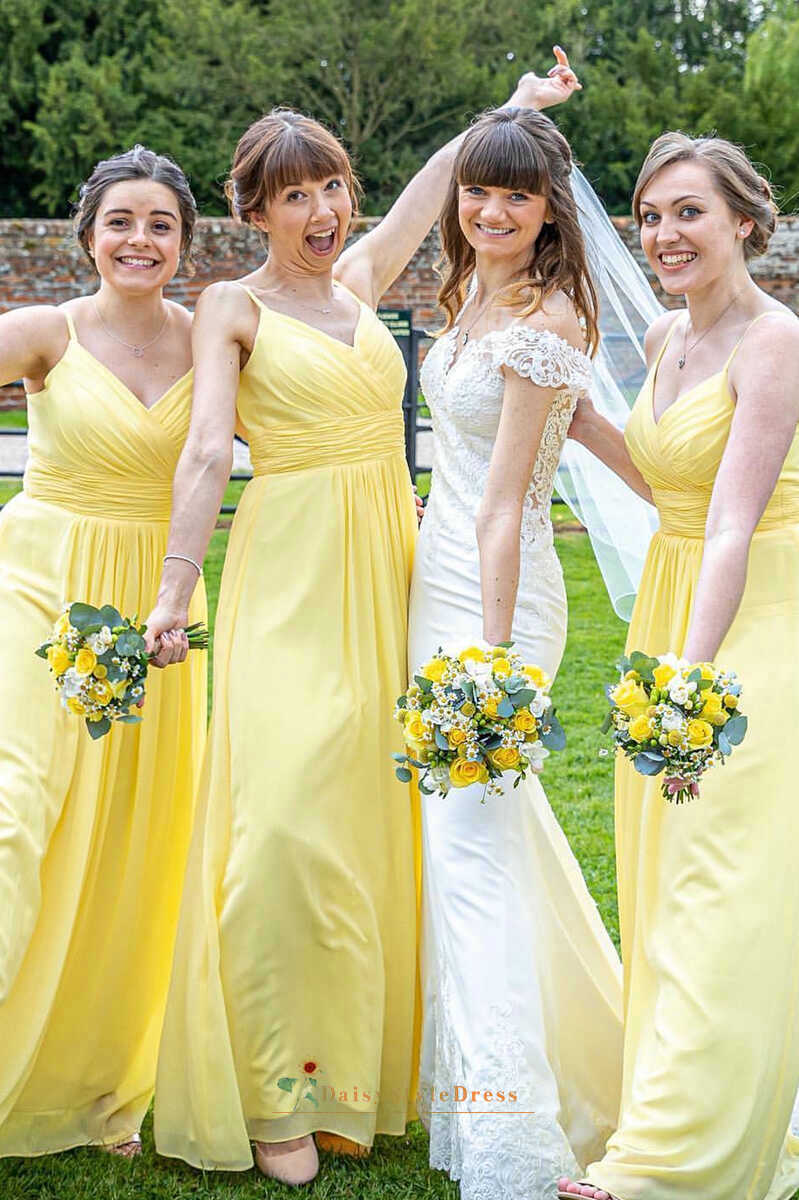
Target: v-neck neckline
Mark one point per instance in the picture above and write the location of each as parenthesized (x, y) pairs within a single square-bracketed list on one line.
[(351, 346), (73, 341)]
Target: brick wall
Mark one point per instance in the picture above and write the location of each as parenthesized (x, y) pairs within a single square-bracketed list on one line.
[(41, 264)]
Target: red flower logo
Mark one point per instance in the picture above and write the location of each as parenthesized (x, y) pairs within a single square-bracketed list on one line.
[(309, 1067)]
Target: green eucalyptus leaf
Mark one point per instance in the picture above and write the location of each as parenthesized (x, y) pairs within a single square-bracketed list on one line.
[(735, 729), (647, 763), (404, 775), (98, 729), (81, 615)]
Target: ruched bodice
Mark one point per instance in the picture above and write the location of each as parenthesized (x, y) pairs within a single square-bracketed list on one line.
[(679, 455), (343, 408), (93, 835), (297, 938), (708, 891), (102, 452)]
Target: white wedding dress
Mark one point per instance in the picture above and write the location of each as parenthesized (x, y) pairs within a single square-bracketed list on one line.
[(521, 983)]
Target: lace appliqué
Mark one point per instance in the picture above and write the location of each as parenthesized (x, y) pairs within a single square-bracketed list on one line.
[(465, 399), (494, 1156)]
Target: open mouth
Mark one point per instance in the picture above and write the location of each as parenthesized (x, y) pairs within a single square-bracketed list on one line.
[(137, 262), (495, 231), (675, 261), (322, 243)]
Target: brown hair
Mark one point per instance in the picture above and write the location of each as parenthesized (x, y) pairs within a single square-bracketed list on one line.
[(281, 148), (521, 150), (745, 191), (138, 163)]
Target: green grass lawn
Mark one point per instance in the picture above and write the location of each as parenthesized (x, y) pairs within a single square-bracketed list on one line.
[(579, 784), (13, 418)]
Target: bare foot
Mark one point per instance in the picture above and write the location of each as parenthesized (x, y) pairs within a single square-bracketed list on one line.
[(127, 1149), (294, 1162), (567, 1188)]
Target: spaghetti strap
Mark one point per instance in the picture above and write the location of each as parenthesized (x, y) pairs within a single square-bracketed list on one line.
[(770, 312), (667, 339), (73, 337)]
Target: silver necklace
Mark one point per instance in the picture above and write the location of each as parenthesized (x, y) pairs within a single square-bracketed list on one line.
[(313, 307), (137, 351), (686, 349), (465, 332)]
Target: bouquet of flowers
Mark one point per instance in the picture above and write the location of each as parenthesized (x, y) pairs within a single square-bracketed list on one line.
[(100, 663), (471, 715), (669, 715)]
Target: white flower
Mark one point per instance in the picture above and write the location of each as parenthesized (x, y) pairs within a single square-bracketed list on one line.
[(439, 775), (100, 641), (672, 660), (72, 683), (671, 719), (477, 670), (539, 704), (535, 753), (680, 690)]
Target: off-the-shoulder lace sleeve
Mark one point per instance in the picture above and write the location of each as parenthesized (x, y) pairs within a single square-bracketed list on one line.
[(543, 357)]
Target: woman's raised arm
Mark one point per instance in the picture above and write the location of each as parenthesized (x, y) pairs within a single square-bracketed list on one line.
[(371, 264)]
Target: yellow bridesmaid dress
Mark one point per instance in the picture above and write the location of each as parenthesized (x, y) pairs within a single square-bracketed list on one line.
[(292, 1001), (709, 890), (93, 835)]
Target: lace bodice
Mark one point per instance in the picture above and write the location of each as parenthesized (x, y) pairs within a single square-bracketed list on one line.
[(465, 400)]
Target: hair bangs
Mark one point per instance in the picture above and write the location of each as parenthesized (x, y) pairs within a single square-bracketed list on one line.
[(505, 156), (303, 154)]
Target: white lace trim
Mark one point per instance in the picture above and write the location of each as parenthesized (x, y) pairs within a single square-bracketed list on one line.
[(465, 399), (494, 1156)]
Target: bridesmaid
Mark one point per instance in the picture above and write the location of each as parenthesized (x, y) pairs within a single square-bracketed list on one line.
[(709, 891), (93, 835), (292, 1005)]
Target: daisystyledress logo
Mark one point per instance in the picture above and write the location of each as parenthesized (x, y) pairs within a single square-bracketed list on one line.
[(303, 1087)]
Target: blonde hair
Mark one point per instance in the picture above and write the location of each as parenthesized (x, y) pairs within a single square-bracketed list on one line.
[(520, 149), (745, 191), (281, 148)]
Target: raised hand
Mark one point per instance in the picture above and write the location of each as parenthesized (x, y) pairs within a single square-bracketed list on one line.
[(536, 91)]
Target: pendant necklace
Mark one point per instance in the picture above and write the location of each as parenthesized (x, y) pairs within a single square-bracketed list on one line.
[(486, 304), (137, 351), (686, 349)]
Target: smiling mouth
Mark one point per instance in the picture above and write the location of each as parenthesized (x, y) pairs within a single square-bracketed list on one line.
[(322, 243), (677, 260), (136, 262), (497, 231)]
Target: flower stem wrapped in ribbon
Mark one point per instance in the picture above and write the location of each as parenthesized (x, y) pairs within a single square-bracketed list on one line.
[(100, 663), (668, 715), (470, 715)]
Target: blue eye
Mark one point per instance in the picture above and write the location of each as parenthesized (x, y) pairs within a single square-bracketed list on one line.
[(649, 218), (475, 190), (690, 210), (518, 196), (334, 183)]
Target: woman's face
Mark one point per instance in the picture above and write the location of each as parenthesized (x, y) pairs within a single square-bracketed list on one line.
[(500, 223), (689, 234), (307, 223), (136, 236)]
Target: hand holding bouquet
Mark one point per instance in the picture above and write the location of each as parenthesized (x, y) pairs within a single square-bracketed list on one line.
[(100, 663), (669, 715), (470, 715)]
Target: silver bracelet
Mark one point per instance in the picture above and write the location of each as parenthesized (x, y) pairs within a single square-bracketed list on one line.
[(185, 558)]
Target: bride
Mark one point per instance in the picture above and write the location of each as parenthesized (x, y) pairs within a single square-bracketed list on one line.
[(522, 1035)]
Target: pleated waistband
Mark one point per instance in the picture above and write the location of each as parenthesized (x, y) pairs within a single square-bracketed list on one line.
[(284, 448), (107, 498)]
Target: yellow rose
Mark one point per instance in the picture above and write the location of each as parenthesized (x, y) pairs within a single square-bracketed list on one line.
[(524, 721), (74, 705), (100, 672), (536, 675), (119, 687), (706, 670), (414, 726), (472, 654), (713, 710), (85, 661), (491, 704), (641, 728), (675, 737), (730, 701), (502, 668), (630, 697), (505, 758), (62, 624), (700, 734), (434, 670), (463, 772), (101, 692), (631, 675), (58, 659), (98, 716), (663, 674), (468, 709), (456, 738)]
